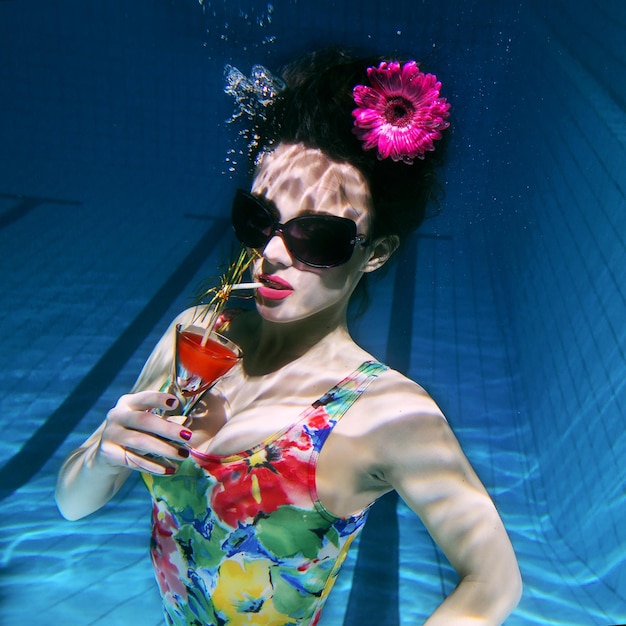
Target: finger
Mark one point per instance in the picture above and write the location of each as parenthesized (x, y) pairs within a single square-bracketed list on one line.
[(122, 418), (148, 400), (155, 425), (145, 434), (149, 443), (148, 464)]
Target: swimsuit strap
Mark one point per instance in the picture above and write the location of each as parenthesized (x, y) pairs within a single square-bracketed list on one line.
[(328, 410), (341, 397)]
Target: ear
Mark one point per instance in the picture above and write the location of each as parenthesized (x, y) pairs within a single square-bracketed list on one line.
[(380, 251)]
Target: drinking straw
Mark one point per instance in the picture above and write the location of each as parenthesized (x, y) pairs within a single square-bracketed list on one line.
[(231, 280)]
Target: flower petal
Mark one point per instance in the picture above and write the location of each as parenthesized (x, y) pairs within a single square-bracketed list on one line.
[(423, 112)]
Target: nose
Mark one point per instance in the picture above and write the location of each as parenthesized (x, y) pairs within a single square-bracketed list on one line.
[(276, 252)]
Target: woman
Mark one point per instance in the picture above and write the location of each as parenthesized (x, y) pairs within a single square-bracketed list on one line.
[(257, 499)]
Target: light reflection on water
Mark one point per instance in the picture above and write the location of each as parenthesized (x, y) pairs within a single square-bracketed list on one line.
[(97, 570)]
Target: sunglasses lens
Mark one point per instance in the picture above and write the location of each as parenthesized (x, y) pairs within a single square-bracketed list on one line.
[(320, 241), (315, 240), (252, 222)]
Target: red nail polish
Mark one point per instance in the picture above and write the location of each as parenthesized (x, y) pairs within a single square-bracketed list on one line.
[(171, 402), (170, 470), (186, 434), (183, 452)]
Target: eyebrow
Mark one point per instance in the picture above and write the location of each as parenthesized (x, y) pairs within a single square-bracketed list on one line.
[(270, 205)]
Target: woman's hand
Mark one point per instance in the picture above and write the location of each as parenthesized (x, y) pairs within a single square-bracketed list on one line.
[(137, 438)]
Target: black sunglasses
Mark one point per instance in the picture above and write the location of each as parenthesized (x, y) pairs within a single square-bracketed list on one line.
[(315, 240)]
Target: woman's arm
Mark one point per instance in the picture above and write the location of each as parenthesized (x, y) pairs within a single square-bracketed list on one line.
[(93, 473), (428, 469)]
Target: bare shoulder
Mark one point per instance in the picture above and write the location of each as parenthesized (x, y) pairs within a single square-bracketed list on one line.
[(407, 428), (394, 398)]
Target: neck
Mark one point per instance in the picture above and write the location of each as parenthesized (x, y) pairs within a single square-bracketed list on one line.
[(279, 344)]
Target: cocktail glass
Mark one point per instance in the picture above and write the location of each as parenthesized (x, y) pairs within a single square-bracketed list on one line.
[(201, 358)]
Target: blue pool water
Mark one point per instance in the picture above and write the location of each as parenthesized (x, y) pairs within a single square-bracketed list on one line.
[(509, 307)]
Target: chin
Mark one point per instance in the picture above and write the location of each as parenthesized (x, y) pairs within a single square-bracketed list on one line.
[(283, 312), (274, 312)]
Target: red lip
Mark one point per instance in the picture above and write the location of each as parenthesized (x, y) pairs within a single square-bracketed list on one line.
[(274, 282), (274, 288)]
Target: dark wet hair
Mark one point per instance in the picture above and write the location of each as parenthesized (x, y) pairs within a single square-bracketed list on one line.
[(315, 109)]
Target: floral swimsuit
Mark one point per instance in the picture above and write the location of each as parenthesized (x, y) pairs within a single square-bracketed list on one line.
[(244, 539)]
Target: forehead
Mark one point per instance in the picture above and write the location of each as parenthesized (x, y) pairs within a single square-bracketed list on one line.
[(304, 179)]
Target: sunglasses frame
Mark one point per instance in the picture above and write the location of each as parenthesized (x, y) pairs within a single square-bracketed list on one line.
[(281, 229)]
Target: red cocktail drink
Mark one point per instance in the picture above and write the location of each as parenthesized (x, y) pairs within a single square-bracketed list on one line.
[(201, 360)]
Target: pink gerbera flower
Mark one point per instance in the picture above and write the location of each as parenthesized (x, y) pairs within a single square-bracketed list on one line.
[(401, 114)]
